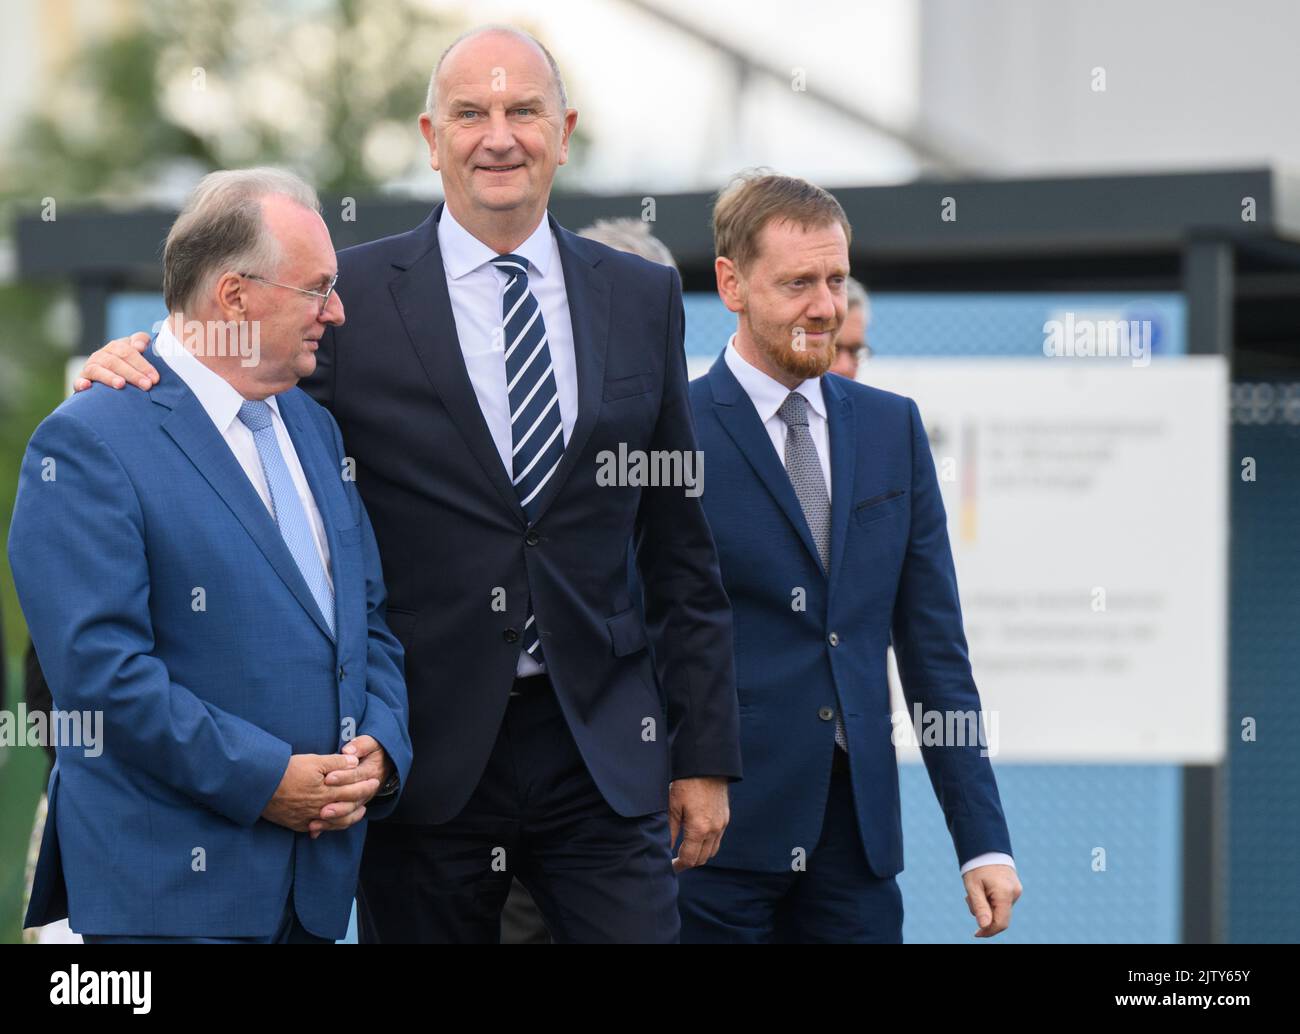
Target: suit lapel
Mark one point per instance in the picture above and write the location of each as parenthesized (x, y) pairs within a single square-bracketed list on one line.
[(840, 425), (190, 427), (420, 293), (738, 416)]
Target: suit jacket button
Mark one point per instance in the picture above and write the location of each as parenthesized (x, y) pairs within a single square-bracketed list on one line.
[(532, 538), (511, 636), (342, 673), (833, 639), (825, 714)]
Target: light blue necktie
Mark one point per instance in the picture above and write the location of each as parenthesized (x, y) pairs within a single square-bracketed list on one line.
[(536, 431), (288, 510)]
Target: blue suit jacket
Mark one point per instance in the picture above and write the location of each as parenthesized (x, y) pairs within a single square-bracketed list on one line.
[(159, 592), (891, 576), (461, 559)]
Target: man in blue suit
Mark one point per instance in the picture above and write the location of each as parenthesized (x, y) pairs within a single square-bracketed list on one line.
[(196, 565), (491, 363), (832, 539)]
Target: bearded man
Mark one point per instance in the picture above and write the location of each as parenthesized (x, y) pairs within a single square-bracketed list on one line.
[(831, 534)]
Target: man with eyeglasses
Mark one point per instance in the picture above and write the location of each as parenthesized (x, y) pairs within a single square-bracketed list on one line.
[(196, 567)]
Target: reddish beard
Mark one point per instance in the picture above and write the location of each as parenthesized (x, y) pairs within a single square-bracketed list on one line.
[(797, 355)]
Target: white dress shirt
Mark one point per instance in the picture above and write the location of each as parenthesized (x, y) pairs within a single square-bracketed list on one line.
[(221, 402), (476, 288), (767, 395)]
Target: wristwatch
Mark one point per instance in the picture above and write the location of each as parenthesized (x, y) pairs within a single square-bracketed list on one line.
[(390, 786)]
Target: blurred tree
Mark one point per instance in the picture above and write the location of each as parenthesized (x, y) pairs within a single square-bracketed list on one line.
[(329, 88)]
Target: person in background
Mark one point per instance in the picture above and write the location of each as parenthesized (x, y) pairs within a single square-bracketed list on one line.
[(632, 236), (851, 345)]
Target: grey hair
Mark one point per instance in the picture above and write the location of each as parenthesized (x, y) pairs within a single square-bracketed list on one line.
[(431, 97), (857, 298), (631, 235), (221, 230)]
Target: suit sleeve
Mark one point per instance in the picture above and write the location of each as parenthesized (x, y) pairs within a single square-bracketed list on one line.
[(77, 551), (688, 615), (385, 716), (934, 666)]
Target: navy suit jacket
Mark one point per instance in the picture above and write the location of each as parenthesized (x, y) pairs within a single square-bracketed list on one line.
[(891, 576), (160, 593), (460, 558)]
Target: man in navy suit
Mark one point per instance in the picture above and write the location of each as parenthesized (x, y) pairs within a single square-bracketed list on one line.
[(195, 568), (490, 363), (832, 538)]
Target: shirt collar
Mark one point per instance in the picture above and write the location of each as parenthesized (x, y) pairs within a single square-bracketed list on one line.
[(463, 253), (216, 395), (767, 393)]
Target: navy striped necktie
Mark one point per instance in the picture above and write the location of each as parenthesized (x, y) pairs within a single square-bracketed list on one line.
[(536, 431)]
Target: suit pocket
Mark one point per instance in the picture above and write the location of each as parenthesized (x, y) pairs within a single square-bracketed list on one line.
[(626, 633), (878, 507), (349, 536), (626, 387)]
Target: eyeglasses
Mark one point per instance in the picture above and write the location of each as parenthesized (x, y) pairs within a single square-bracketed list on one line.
[(324, 296)]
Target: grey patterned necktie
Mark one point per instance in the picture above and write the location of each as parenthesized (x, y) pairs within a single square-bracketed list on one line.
[(804, 469)]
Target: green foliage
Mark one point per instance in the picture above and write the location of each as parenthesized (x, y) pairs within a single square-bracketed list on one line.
[(330, 89)]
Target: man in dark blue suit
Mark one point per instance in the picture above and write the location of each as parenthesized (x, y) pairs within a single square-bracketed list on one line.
[(194, 569), (832, 538), (490, 360)]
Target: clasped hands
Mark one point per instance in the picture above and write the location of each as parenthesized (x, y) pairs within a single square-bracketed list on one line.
[(323, 792)]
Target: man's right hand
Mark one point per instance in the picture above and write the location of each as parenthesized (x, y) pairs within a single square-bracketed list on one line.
[(302, 792), (119, 361)]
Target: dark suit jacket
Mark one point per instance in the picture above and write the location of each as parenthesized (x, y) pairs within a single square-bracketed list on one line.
[(453, 535), (891, 576)]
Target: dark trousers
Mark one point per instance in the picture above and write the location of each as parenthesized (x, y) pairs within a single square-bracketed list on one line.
[(537, 815), (836, 899), (290, 931)]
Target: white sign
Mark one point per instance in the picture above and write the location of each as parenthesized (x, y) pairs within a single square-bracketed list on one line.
[(1087, 509)]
